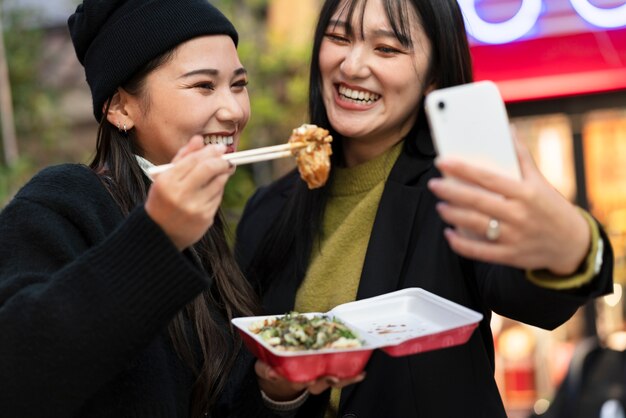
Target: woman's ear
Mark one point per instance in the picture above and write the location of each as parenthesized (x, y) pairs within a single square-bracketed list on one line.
[(120, 113)]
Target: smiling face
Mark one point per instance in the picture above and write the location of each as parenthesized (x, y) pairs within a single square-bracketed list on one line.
[(372, 83), (201, 90)]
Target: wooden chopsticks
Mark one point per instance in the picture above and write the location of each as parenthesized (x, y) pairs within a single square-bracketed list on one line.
[(247, 156)]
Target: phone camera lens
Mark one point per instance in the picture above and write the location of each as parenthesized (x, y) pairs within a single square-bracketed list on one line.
[(441, 105)]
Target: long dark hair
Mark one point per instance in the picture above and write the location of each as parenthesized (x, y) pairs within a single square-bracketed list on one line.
[(117, 166), (294, 232)]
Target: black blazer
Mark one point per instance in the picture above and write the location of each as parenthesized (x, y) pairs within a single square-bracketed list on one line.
[(407, 248)]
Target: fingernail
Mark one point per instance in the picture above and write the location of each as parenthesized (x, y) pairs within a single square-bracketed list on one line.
[(442, 163), (432, 183)]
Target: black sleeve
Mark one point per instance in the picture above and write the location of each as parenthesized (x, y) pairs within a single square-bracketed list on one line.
[(74, 312), (508, 292)]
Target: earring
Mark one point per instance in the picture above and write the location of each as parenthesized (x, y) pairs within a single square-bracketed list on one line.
[(125, 130), (118, 126)]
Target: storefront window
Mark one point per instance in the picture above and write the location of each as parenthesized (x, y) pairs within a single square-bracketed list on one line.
[(604, 138), (549, 139), (531, 362)]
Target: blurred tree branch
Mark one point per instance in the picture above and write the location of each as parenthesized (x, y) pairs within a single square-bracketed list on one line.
[(9, 139), (37, 119)]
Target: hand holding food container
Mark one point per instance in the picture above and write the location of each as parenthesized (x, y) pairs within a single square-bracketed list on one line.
[(304, 347)]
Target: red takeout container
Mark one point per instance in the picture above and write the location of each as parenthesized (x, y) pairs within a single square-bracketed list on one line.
[(401, 323)]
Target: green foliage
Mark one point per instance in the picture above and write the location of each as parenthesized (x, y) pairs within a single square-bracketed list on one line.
[(35, 106)]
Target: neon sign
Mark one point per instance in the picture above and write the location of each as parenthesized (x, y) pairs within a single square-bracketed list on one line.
[(604, 18), (526, 18)]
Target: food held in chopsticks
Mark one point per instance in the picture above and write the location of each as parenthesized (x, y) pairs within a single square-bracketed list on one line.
[(295, 332), (314, 159), (308, 143)]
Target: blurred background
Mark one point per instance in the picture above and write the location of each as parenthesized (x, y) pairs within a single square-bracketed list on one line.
[(560, 65)]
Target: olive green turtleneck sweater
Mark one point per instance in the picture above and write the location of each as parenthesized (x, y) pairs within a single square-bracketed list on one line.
[(337, 258)]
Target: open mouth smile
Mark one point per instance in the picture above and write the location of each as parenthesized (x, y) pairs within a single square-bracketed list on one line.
[(218, 139), (355, 96)]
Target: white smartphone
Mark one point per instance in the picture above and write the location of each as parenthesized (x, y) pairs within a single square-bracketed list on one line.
[(470, 122)]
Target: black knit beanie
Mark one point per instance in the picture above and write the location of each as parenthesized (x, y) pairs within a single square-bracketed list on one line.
[(114, 39)]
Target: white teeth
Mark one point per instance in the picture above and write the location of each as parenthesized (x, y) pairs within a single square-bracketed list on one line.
[(218, 139), (358, 95)]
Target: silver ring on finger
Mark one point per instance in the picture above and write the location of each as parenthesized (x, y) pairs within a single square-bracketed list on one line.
[(493, 230)]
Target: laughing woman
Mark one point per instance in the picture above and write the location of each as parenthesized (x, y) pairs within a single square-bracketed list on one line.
[(386, 220), (116, 293)]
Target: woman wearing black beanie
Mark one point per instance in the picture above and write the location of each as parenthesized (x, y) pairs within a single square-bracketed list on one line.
[(116, 293)]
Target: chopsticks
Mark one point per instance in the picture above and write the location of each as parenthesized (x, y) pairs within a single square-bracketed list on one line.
[(247, 156)]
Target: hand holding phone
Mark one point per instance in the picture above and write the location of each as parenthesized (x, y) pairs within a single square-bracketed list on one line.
[(469, 122)]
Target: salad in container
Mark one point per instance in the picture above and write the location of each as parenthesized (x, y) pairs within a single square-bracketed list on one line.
[(304, 346)]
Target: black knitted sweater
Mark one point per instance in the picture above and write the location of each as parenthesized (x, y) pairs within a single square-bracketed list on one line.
[(85, 298)]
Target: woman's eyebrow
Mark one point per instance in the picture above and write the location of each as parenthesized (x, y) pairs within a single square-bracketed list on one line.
[(384, 33), (379, 33), (202, 71), (212, 72)]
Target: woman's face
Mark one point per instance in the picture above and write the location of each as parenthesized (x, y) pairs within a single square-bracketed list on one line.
[(371, 83), (200, 91)]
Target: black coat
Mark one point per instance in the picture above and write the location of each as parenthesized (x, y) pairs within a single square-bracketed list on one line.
[(407, 248), (86, 295)]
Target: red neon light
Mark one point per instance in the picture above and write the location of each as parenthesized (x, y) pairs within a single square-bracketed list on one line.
[(556, 66)]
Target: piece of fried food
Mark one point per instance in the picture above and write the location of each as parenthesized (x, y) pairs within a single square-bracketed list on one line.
[(313, 159)]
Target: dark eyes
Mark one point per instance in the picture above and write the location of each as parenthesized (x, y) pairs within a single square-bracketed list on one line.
[(205, 85), (388, 50), (343, 40), (209, 85), (336, 38)]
